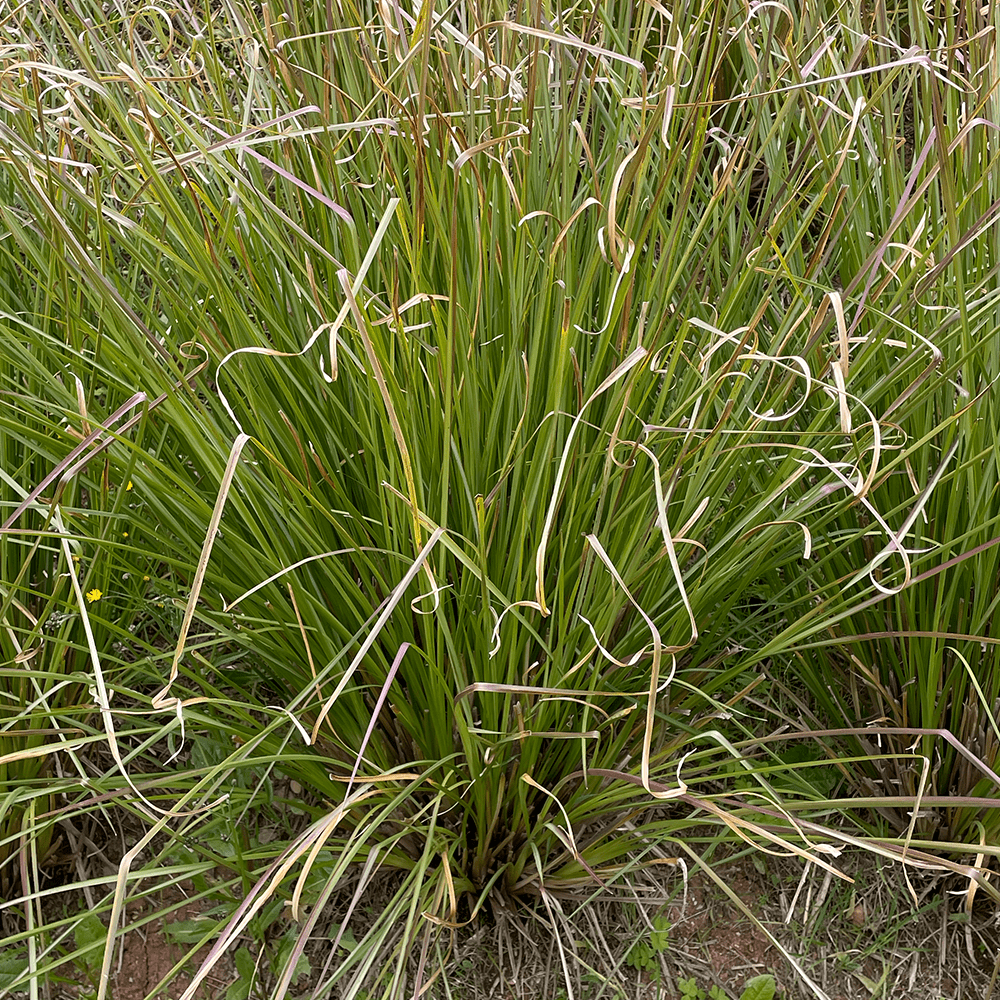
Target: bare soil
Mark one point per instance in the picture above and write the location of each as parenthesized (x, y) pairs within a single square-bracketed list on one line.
[(855, 942), (148, 955)]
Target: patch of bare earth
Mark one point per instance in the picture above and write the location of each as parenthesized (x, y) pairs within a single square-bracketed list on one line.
[(147, 955), (713, 942), (855, 942)]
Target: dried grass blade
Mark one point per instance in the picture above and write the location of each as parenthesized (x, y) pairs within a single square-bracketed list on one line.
[(623, 369), (160, 699)]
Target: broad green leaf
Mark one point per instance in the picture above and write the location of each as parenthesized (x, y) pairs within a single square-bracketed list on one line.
[(759, 988)]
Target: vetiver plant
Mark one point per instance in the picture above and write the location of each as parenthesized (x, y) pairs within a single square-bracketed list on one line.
[(73, 582), (513, 385), (917, 661)]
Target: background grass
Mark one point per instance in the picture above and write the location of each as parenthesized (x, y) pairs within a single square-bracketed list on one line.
[(493, 424)]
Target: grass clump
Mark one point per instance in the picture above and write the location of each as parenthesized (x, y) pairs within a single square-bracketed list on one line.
[(461, 413)]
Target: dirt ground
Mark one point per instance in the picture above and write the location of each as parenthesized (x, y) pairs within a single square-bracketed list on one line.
[(855, 942), (147, 955)]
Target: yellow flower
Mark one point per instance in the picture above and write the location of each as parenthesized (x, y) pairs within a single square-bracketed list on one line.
[(127, 488), (94, 595), (124, 534)]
